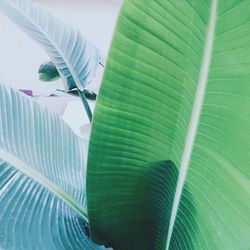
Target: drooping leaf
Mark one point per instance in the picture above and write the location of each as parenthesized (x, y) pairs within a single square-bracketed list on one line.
[(168, 164), (75, 58), (42, 178), (48, 72)]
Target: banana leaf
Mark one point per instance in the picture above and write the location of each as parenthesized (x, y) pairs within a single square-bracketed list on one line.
[(168, 164)]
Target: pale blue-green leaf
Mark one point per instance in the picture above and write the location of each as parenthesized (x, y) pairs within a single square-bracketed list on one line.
[(32, 218), (42, 178), (43, 146), (76, 58)]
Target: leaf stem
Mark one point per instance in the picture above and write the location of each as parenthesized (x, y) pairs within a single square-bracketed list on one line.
[(85, 104)]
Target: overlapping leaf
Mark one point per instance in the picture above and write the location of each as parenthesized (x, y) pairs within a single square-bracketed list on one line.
[(42, 178)]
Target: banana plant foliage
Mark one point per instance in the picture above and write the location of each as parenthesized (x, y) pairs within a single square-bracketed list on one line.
[(169, 161), (75, 58), (42, 179), (48, 72)]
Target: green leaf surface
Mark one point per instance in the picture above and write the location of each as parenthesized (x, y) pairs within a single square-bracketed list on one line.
[(48, 72), (42, 178), (168, 164)]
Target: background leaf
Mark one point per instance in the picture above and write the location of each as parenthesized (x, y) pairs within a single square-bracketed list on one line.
[(31, 217), (47, 148), (162, 53), (75, 58), (42, 178)]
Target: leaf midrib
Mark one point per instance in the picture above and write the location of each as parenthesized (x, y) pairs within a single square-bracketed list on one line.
[(195, 117), (41, 179)]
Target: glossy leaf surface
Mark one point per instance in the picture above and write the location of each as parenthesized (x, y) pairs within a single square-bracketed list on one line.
[(169, 154)]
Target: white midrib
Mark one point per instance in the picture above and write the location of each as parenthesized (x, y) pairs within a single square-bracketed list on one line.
[(195, 117), (41, 179)]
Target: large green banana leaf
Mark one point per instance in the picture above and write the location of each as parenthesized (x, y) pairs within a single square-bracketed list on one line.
[(42, 179), (169, 156)]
